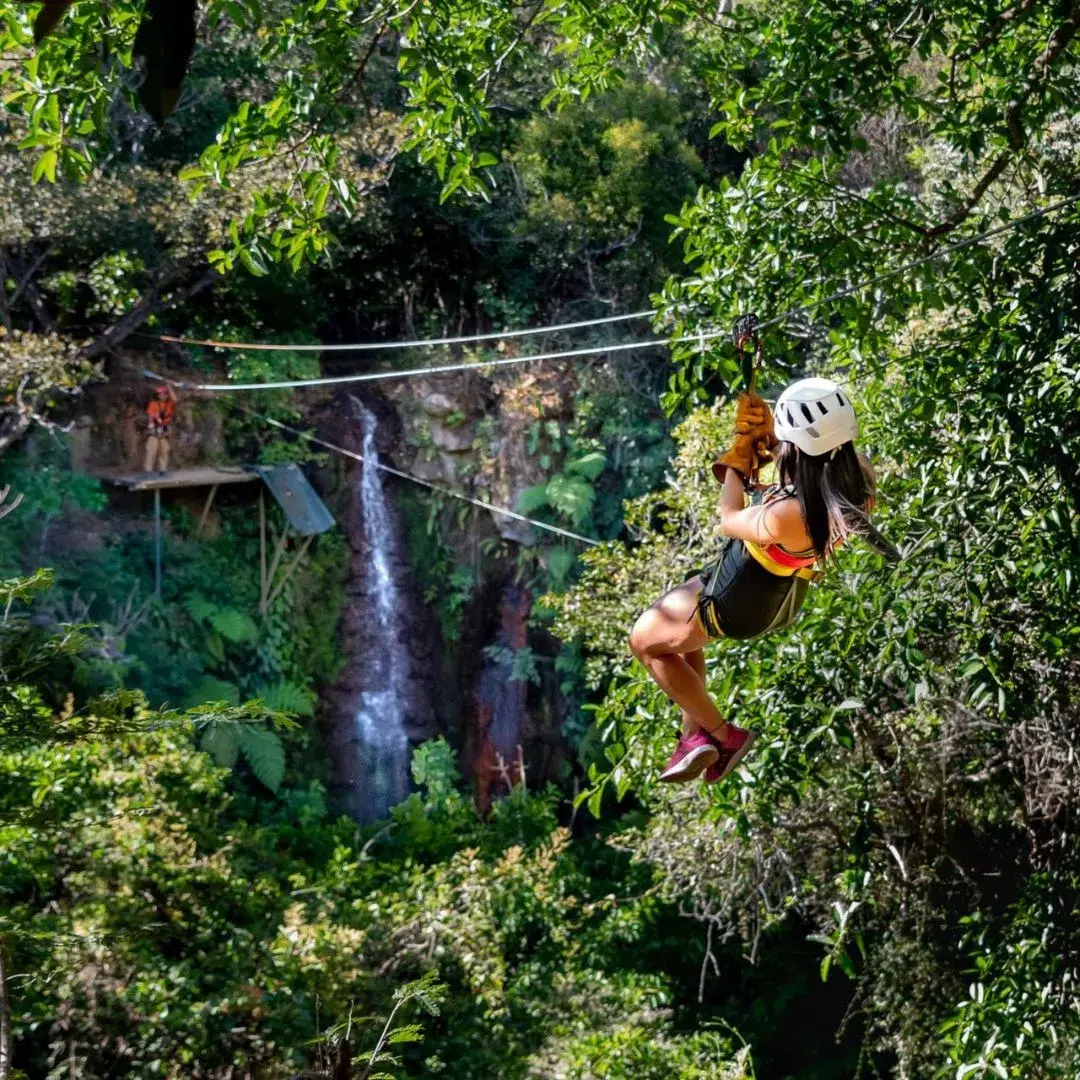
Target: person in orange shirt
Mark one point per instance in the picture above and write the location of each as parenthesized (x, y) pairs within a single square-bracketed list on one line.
[(159, 418)]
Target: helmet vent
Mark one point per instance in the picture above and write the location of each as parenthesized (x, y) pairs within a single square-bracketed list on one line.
[(807, 413), (840, 398), (813, 432), (822, 409)]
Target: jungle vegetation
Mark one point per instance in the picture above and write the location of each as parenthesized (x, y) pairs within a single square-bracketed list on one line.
[(889, 887)]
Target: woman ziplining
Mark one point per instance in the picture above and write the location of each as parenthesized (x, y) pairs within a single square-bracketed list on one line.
[(774, 549)]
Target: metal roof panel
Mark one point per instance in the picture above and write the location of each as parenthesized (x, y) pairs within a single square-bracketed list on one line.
[(306, 512)]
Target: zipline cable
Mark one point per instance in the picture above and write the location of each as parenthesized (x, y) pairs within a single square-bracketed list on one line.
[(449, 492), (701, 336), (277, 346), (438, 369), (401, 474)]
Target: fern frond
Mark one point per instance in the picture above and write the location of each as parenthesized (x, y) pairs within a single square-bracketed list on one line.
[(427, 990), (263, 751), (287, 697), (571, 496), (222, 743), (407, 1033)]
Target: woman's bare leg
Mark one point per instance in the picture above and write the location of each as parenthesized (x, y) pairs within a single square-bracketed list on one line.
[(665, 639), (696, 660)]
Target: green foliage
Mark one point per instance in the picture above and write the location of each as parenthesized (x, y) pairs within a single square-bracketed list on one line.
[(260, 748), (571, 491), (1020, 1013), (288, 697), (642, 1052), (599, 177), (209, 688), (237, 937), (234, 626), (911, 806)]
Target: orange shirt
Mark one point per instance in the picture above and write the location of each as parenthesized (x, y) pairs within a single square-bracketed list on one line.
[(160, 414)]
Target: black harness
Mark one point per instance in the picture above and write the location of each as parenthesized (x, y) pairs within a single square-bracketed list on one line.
[(741, 599)]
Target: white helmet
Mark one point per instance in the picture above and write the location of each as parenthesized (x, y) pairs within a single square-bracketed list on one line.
[(815, 415)]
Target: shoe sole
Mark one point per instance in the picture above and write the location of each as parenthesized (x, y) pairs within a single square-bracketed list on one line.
[(691, 766), (751, 738)]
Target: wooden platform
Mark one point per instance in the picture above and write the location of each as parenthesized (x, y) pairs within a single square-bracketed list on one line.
[(178, 478), (305, 513)]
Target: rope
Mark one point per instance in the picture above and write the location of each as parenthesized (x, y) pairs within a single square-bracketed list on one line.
[(439, 488), (419, 343), (700, 336), (409, 373)]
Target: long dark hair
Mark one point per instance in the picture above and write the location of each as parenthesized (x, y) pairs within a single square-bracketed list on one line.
[(835, 493)]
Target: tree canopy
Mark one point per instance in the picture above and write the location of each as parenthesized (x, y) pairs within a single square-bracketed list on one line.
[(905, 829)]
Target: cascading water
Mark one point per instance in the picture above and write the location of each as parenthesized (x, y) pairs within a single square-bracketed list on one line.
[(382, 777)]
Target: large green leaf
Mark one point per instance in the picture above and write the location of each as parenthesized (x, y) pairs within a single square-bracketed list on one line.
[(589, 465), (222, 743), (235, 626), (288, 697), (263, 751)]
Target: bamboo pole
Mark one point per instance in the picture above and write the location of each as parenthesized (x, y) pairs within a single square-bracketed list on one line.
[(279, 550), (289, 570), (206, 510)]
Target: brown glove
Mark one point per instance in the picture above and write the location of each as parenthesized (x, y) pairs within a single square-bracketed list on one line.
[(742, 457), (754, 439), (751, 412)]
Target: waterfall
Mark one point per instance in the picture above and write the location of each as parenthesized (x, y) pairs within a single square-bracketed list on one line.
[(382, 777)]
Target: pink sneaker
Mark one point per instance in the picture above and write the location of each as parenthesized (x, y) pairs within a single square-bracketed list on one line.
[(732, 749), (691, 758)]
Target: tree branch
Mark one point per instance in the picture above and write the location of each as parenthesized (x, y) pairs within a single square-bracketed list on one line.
[(28, 275), (1014, 128), (149, 305), (5, 1020), (994, 30), (964, 210)]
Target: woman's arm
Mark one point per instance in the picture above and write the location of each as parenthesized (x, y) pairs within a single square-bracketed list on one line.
[(778, 522)]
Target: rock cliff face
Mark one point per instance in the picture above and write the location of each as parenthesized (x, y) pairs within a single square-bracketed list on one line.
[(467, 434), (471, 434)]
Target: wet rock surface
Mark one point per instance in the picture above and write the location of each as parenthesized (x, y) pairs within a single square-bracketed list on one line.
[(381, 704)]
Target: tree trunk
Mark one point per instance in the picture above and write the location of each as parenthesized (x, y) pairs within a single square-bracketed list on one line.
[(5, 1020)]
